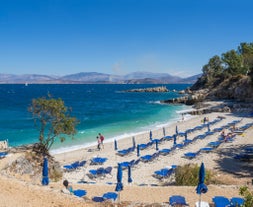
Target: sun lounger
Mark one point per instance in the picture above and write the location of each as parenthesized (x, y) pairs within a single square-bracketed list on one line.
[(107, 196), (3, 154), (164, 151), (72, 166), (163, 173), (80, 193), (221, 201), (206, 149), (177, 200), (98, 160), (146, 158), (236, 202), (191, 155), (110, 196)]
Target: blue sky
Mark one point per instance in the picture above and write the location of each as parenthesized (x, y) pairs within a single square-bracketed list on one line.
[(59, 37)]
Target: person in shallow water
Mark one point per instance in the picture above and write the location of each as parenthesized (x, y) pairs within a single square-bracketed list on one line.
[(99, 143), (102, 138)]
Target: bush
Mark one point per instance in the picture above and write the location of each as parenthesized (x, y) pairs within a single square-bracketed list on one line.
[(189, 175), (248, 196)]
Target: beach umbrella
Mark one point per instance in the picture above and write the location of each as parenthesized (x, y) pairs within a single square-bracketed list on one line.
[(201, 188), (164, 132), (133, 139), (45, 179), (150, 135), (119, 186), (185, 136), (175, 139), (115, 145), (208, 127), (176, 130), (156, 145), (130, 180), (138, 150)]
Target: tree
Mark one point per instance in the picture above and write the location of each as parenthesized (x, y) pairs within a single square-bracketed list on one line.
[(233, 62), (53, 119)]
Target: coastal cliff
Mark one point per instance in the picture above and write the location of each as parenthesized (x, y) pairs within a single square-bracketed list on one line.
[(233, 94)]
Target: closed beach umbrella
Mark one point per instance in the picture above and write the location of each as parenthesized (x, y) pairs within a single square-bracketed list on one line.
[(150, 135), (164, 132), (138, 150), (130, 180), (208, 127), (133, 139), (201, 188), (115, 145), (175, 139), (45, 179), (119, 186), (176, 130), (156, 145), (185, 136)]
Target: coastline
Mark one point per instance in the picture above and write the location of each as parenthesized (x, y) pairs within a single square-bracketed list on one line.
[(145, 188)]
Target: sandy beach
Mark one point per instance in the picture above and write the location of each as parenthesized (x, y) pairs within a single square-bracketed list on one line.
[(145, 188)]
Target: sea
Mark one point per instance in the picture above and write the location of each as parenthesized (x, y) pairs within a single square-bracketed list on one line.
[(99, 108)]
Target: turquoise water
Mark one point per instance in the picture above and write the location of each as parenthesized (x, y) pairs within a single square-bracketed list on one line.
[(99, 108)]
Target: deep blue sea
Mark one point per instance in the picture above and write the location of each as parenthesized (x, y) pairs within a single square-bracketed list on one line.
[(99, 108)]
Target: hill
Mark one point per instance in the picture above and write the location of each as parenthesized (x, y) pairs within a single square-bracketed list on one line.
[(97, 78)]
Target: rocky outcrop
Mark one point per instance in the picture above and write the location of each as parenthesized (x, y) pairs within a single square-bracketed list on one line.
[(149, 90)]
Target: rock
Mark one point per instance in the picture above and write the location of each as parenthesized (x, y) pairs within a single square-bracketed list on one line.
[(149, 90)]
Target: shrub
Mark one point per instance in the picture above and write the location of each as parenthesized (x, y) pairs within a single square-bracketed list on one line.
[(248, 196), (189, 175)]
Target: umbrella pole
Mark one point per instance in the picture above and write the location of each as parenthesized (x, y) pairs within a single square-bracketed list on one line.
[(199, 200)]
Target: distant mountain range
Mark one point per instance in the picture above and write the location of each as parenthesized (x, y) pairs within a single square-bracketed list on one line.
[(97, 78)]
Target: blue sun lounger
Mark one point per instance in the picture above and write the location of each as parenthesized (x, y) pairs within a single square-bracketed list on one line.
[(164, 151), (177, 200), (72, 166), (107, 196), (191, 155), (236, 202), (221, 201), (98, 160), (80, 193), (3, 154), (163, 173)]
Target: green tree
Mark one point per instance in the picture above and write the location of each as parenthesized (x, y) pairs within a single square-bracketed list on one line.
[(53, 120), (233, 62)]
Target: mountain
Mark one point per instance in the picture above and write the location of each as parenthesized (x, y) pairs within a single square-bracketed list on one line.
[(96, 78)]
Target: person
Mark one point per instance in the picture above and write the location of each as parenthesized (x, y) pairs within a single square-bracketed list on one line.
[(68, 188), (101, 139), (99, 143)]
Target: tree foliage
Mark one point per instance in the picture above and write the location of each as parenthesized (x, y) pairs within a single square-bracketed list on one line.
[(53, 120), (231, 63), (248, 196)]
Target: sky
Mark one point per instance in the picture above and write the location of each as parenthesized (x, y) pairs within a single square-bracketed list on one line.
[(61, 37)]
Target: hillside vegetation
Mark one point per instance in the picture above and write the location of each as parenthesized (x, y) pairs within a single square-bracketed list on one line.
[(229, 76)]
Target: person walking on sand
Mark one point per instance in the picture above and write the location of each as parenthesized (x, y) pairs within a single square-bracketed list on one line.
[(101, 139), (99, 143)]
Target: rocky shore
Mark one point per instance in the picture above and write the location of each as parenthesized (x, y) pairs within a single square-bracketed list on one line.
[(149, 90)]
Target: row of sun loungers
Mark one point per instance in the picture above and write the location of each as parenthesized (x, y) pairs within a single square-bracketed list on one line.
[(219, 201), (143, 146)]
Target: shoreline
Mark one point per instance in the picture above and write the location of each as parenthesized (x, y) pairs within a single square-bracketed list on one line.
[(177, 118)]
